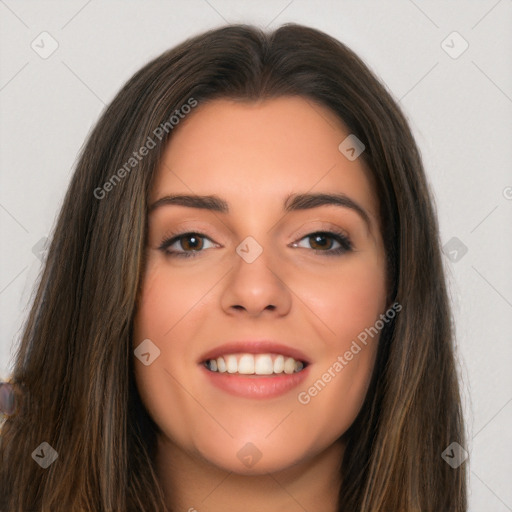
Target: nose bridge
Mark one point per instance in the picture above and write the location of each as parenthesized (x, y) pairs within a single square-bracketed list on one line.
[(254, 284), (255, 264)]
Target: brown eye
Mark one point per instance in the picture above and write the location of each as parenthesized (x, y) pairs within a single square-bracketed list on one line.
[(330, 243), (186, 244), (191, 242), (320, 241)]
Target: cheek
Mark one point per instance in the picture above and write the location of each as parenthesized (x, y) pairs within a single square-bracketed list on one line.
[(167, 303), (347, 299), (166, 298), (349, 303)]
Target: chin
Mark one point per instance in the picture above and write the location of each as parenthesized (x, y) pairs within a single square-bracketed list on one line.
[(256, 457)]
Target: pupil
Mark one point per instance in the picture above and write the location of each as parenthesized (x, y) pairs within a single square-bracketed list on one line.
[(320, 238), (196, 242)]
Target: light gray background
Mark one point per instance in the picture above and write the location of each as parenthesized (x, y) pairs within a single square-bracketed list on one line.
[(459, 108)]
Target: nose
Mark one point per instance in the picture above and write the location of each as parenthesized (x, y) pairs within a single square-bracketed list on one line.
[(254, 287)]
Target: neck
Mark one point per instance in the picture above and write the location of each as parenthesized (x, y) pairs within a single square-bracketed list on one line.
[(194, 485)]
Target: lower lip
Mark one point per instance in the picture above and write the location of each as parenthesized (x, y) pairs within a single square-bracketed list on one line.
[(256, 386)]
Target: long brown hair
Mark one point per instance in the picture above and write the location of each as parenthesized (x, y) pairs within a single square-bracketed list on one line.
[(74, 365)]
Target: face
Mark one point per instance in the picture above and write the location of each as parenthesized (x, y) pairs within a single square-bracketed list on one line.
[(246, 287)]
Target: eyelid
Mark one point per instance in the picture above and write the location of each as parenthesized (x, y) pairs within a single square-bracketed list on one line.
[(344, 241), (170, 238), (338, 234), (324, 228)]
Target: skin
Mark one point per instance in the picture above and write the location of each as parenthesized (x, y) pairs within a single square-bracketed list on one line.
[(253, 155)]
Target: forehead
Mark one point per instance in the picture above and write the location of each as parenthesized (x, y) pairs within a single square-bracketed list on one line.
[(255, 151)]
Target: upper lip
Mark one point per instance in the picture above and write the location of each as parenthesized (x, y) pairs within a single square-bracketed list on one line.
[(254, 347)]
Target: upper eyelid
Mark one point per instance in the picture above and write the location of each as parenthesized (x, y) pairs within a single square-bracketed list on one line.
[(337, 231), (326, 226)]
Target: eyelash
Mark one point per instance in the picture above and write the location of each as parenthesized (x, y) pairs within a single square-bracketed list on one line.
[(341, 238)]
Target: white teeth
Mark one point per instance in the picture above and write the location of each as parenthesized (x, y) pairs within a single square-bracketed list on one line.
[(231, 364), (263, 365), (246, 365), (259, 364), (279, 364), (289, 365), (221, 365)]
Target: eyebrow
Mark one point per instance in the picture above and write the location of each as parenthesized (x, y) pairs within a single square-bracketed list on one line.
[(294, 202)]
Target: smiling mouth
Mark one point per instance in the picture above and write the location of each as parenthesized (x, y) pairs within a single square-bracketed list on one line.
[(255, 364)]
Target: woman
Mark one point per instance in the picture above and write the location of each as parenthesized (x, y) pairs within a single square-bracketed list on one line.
[(243, 305)]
